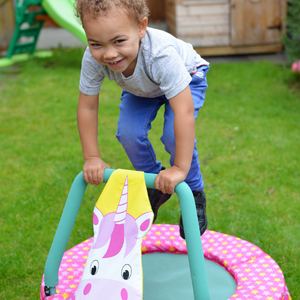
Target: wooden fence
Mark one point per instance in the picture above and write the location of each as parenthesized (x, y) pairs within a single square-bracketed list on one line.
[(7, 23)]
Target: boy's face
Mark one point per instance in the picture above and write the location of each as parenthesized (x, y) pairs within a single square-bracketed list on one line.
[(114, 40)]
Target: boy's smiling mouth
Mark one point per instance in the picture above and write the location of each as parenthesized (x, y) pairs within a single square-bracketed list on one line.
[(115, 62)]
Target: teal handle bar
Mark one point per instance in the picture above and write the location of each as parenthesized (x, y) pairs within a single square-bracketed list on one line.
[(190, 222)]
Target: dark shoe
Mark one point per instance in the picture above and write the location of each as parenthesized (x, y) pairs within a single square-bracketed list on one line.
[(157, 199), (200, 201)]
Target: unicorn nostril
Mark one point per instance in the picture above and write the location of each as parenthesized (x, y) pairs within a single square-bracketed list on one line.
[(124, 294), (87, 289)]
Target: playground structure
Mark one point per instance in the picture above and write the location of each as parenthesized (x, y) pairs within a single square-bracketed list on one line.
[(30, 16), (220, 266)]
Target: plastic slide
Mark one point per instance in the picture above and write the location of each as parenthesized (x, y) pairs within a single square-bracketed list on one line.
[(62, 12)]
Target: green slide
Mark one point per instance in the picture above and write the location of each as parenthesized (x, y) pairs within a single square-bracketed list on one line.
[(62, 12)]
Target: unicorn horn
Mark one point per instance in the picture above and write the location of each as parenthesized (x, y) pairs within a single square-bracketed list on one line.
[(122, 206)]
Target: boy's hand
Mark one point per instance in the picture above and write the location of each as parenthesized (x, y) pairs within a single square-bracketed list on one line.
[(167, 179), (93, 170)]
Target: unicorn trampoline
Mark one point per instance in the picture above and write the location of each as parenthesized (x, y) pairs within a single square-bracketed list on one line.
[(128, 258)]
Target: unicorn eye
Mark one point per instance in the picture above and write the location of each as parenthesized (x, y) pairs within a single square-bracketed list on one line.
[(126, 272), (94, 267)]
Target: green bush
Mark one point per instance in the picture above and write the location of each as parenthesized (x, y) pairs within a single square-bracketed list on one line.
[(292, 37)]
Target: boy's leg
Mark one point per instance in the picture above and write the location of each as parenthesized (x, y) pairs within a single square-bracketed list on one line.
[(198, 86), (136, 115), (157, 199), (200, 202), (194, 178)]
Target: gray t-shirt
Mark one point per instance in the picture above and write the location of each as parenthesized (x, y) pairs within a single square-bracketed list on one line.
[(163, 67)]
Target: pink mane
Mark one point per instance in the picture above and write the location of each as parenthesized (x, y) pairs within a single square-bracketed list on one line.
[(116, 235), (116, 241)]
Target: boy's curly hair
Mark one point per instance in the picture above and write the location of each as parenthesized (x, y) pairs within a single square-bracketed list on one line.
[(137, 9)]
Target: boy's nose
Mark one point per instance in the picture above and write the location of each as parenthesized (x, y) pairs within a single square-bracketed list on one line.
[(110, 53)]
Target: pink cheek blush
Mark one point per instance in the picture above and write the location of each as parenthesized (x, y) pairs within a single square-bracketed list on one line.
[(124, 294), (87, 289)]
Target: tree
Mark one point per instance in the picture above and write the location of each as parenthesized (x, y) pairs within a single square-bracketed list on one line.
[(291, 39)]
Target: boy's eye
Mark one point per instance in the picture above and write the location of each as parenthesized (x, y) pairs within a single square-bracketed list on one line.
[(119, 41), (95, 45)]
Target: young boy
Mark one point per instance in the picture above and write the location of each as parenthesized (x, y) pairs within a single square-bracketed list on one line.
[(154, 69)]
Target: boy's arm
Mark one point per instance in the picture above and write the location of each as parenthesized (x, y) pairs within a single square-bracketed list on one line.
[(184, 129), (87, 120)]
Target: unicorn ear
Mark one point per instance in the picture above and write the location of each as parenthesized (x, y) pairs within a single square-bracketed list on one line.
[(97, 217), (135, 230), (144, 223)]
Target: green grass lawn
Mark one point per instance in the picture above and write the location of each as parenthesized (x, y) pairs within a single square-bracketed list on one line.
[(248, 139)]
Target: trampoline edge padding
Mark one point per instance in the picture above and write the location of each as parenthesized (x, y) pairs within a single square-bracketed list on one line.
[(256, 274)]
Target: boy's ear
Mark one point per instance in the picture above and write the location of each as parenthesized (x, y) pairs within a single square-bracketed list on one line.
[(143, 27)]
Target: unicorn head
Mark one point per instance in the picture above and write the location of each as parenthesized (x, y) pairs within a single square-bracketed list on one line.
[(113, 269)]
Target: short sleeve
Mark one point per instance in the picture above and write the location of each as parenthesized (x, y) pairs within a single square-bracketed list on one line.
[(90, 76), (169, 72)]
